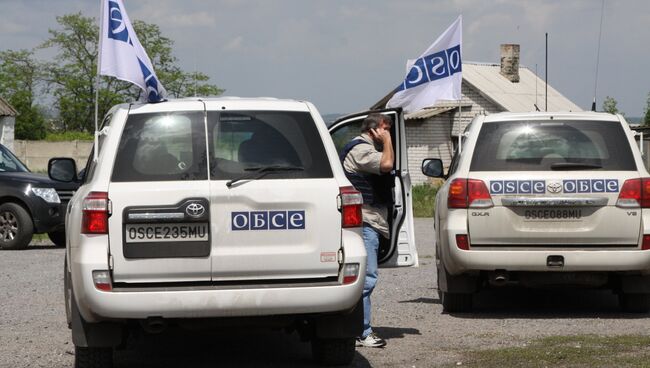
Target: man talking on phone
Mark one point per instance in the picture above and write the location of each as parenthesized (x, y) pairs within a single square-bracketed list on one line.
[(366, 160)]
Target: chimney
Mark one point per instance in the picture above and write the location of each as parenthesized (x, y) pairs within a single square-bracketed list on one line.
[(510, 62)]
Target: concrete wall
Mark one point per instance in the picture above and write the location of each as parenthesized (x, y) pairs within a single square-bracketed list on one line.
[(36, 154), (7, 124), (433, 137)]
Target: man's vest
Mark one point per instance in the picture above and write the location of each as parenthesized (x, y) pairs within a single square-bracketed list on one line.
[(374, 188)]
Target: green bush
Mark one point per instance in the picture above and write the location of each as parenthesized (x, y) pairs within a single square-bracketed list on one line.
[(69, 136), (424, 199)]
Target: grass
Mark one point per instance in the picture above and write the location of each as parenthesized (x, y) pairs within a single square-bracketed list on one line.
[(588, 351), (69, 136), (424, 199)]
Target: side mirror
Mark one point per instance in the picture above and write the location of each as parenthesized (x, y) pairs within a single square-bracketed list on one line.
[(432, 167), (62, 169)]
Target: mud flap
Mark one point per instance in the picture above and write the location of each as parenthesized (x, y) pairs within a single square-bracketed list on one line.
[(342, 325), (455, 284), (96, 335)]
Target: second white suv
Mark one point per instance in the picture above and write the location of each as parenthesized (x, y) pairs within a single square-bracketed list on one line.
[(215, 208), (541, 200)]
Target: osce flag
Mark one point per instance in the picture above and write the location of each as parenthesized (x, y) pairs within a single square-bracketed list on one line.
[(121, 55), (435, 75)]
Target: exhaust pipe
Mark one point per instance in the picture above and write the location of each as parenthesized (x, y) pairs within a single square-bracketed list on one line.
[(154, 325), (499, 278)]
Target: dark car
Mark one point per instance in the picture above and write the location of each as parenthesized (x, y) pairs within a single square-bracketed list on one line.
[(30, 203)]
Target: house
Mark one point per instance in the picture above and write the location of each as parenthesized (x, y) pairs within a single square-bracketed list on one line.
[(486, 89), (7, 123)]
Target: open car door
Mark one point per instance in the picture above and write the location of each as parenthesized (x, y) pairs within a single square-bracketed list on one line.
[(399, 250)]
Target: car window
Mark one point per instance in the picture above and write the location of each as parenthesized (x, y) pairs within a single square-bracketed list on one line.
[(9, 162), (251, 139), (535, 146), (345, 134), (162, 147)]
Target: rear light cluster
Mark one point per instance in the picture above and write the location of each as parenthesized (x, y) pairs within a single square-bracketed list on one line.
[(462, 241), (635, 193), (350, 273), (95, 212), (351, 202), (468, 193), (102, 280)]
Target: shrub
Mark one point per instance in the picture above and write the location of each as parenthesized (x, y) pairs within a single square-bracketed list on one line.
[(424, 199)]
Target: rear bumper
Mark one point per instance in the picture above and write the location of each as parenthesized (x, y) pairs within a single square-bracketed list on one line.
[(96, 306), (460, 261)]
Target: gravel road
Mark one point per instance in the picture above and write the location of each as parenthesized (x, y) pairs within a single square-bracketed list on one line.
[(408, 315)]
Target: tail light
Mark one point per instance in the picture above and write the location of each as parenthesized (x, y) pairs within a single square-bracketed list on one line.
[(468, 193), (462, 241), (350, 273), (95, 212), (635, 193), (102, 280), (351, 202), (646, 242)]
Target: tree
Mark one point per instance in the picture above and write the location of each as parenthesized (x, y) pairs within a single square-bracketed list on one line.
[(609, 105), (20, 80), (646, 118), (72, 76)]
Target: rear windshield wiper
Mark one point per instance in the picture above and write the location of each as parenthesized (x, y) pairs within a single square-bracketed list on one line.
[(256, 172), (574, 166)]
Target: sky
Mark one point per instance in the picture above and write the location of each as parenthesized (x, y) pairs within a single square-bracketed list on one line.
[(344, 55)]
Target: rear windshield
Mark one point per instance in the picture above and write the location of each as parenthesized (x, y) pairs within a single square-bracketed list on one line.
[(162, 147), (243, 141), (552, 145)]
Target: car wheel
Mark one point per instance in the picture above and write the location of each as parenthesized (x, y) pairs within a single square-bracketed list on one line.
[(456, 302), (58, 238), (16, 227), (93, 357), (333, 351), (634, 303)]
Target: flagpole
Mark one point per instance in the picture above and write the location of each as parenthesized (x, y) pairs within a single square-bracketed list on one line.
[(99, 51), (460, 121)]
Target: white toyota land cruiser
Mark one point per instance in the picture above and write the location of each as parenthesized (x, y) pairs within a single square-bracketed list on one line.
[(220, 208), (540, 200)]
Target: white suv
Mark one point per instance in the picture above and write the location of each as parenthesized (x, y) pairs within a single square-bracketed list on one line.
[(216, 208), (544, 199)]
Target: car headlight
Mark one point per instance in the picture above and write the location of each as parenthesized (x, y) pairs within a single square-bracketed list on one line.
[(49, 195)]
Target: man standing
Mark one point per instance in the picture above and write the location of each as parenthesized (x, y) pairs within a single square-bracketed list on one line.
[(367, 159)]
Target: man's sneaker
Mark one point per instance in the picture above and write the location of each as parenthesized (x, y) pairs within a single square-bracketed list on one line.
[(371, 341)]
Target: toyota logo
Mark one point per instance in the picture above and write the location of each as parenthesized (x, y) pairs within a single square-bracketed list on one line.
[(195, 210), (554, 187)]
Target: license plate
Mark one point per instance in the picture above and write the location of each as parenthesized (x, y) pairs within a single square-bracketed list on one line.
[(157, 233), (553, 214)]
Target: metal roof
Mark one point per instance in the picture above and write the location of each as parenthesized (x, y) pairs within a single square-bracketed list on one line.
[(437, 109), (514, 97), (6, 109)]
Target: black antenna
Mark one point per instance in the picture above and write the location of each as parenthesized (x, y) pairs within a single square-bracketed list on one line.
[(600, 32), (546, 81)]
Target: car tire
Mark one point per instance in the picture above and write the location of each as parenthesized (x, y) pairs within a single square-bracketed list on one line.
[(16, 227), (634, 303), (91, 357), (333, 351), (58, 238), (456, 302)]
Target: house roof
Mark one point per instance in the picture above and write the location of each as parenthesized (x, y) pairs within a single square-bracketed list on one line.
[(6, 109), (512, 97)]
